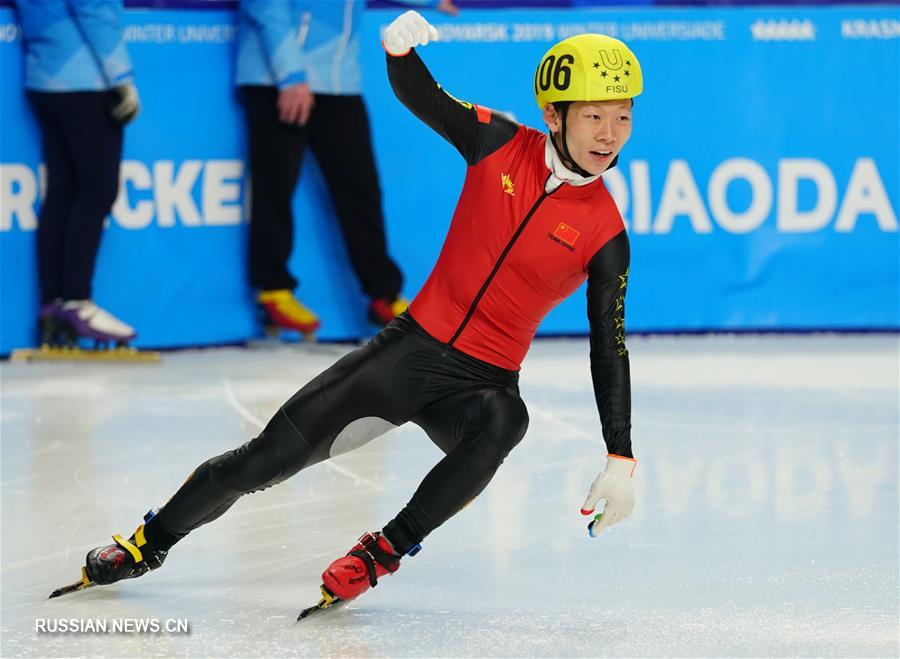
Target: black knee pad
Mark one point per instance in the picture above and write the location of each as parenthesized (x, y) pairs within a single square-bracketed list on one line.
[(506, 419), (497, 427)]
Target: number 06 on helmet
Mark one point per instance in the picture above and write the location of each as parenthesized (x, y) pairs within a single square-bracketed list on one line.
[(587, 67)]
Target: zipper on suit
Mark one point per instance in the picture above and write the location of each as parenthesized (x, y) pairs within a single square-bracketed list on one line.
[(500, 259)]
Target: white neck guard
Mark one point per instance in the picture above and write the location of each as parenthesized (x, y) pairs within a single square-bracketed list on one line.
[(559, 173)]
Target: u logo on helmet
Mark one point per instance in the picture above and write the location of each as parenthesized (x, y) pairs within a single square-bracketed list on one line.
[(612, 59), (587, 67)]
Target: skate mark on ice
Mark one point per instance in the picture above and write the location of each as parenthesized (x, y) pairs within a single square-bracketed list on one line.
[(351, 511), (208, 593), (54, 473), (95, 491), (248, 416), (68, 548), (43, 558), (537, 410)]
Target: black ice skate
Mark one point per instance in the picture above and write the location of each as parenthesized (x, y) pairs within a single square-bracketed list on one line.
[(126, 559), (66, 329)]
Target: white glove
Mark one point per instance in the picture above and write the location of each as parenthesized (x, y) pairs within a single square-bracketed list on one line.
[(614, 484), (128, 105), (408, 31)]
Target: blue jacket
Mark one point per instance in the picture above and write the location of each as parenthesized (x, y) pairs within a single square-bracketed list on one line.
[(286, 42), (74, 45)]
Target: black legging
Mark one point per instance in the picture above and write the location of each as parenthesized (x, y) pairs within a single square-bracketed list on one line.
[(338, 134), (82, 148), (470, 409)]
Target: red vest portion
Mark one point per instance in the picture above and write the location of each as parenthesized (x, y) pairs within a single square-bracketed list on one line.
[(490, 288)]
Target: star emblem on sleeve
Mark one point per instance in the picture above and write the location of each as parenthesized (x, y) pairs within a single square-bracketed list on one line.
[(596, 65), (619, 318)]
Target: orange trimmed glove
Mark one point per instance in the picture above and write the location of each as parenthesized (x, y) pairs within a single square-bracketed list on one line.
[(615, 486)]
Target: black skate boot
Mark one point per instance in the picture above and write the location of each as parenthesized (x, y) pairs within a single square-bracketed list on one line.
[(126, 559), (48, 324)]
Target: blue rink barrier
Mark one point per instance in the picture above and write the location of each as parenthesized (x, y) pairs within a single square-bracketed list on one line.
[(760, 188)]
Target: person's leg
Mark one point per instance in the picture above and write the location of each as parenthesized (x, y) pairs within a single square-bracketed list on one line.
[(58, 200), (476, 430), (340, 138), (346, 406), (275, 155), (477, 427), (351, 403), (94, 141)]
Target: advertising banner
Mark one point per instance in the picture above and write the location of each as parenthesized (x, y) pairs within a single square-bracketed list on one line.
[(760, 187)]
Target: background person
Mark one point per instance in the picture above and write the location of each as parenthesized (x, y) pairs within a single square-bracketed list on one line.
[(80, 83), (300, 83)]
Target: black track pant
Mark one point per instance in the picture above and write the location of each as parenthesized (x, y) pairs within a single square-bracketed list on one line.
[(338, 133), (470, 409), (82, 148)]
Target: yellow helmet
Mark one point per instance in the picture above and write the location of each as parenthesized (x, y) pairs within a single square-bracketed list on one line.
[(587, 67)]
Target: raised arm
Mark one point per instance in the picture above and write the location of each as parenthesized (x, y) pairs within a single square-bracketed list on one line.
[(475, 131)]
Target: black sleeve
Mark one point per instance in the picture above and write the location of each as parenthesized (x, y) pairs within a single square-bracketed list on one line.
[(607, 283), (475, 132)]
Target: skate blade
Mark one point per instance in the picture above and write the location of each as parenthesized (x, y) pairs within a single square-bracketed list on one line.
[(82, 584), (328, 603), (275, 332), (276, 336), (66, 354)]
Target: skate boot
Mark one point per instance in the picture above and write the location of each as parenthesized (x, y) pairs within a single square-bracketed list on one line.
[(49, 324), (284, 311), (350, 576), (125, 559), (382, 310), (64, 326), (84, 319)]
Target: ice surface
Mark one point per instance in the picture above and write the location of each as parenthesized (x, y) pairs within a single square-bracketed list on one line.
[(766, 525)]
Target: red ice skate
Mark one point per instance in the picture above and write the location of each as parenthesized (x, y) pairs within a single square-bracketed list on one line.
[(284, 311), (350, 576), (382, 310)]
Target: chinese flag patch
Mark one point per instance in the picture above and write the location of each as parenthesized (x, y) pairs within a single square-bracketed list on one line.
[(566, 234), (483, 114)]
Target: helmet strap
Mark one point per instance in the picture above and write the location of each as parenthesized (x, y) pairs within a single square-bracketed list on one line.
[(562, 108)]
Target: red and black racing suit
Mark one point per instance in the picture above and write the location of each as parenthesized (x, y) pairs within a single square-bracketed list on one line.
[(450, 365)]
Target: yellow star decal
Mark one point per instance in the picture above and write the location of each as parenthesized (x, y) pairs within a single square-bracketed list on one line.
[(508, 186), (465, 104), (623, 279)]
